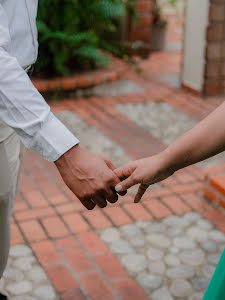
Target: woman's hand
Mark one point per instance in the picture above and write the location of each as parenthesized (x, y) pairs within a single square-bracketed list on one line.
[(145, 171)]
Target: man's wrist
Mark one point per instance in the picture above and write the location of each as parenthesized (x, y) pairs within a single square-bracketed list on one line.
[(75, 149)]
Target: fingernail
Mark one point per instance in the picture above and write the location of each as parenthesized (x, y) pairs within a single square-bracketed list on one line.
[(118, 188)]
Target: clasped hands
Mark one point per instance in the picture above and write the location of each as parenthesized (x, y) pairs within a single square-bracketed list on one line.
[(94, 179)]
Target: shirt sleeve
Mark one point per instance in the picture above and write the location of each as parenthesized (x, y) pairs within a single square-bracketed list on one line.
[(23, 108)]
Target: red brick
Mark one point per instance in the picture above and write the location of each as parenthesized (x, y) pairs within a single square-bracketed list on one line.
[(211, 87), (222, 203), (137, 211), (169, 181), (20, 205), (213, 69), (213, 50), (210, 194), (211, 171), (100, 290), (76, 223), (74, 294), (218, 182), (83, 82), (61, 277), (36, 199), (130, 290), (215, 32), (68, 83), (110, 266), (48, 188), (33, 231), (145, 21), (156, 193), (17, 237), (41, 85), (222, 228), (144, 6), (140, 34), (117, 215), (69, 207), (78, 260), (188, 187), (195, 202), (92, 242), (215, 217), (55, 227), (184, 177), (157, 209), (64, 243), (30, 214), (97, 219), (176, 205), (217, 13), (53, 84), (46, 252), (97, 79), (112, 76), (57, 199)]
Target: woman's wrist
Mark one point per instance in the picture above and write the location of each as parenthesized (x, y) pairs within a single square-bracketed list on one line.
[(169, 161)]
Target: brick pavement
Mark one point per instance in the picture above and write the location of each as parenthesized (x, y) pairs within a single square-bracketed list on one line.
[(62, 233)]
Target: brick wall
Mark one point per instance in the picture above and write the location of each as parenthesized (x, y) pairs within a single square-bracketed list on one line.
[(142, 30), (215, 50)]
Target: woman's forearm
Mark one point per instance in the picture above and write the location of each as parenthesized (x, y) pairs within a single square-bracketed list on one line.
[(206, 139)]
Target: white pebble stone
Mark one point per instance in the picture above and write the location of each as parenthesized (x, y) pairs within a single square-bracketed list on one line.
[(172, 260), (19, 288), (217, 236), (45, 292), (20, 250), (157, 267), (154, 254), (134, 262), (161, 294), (184, 243), (181, 288), (159, 240), (110, 235)]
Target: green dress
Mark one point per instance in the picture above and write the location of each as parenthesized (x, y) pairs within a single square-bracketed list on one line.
[(216, 288)]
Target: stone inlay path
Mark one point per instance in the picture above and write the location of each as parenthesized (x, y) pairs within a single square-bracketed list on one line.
[(24, 278), (171, 259), (161, 119)]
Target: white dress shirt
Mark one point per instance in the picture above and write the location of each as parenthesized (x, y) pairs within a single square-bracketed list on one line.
[(21, 106)]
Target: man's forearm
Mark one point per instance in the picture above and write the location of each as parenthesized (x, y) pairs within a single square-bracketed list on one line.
[(206, 139)]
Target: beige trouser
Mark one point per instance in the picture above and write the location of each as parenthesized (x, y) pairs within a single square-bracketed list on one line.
[(11, 152)]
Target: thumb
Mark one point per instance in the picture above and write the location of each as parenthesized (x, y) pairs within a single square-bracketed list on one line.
[(126, 184)]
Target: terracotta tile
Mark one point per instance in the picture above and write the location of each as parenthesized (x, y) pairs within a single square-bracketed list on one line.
[(130, 290), (92, 242), (65, 243), (55, 227), (74, 294), (138, 212), (176, 204), (97, 219), (110, 266), (78, 260), (46, 252), (61, 277), (76, 223), (117, 215), (157, 209), (96, 286), (33, 231)]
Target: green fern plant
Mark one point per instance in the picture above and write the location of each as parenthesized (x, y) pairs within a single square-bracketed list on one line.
[(73, 32)]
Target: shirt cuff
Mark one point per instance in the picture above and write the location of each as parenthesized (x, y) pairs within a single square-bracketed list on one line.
[(53, 139)]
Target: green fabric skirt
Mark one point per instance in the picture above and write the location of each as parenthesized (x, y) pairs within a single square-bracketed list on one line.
[(216, 288)]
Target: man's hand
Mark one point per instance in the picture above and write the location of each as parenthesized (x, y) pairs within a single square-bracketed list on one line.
[(89, 176)]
